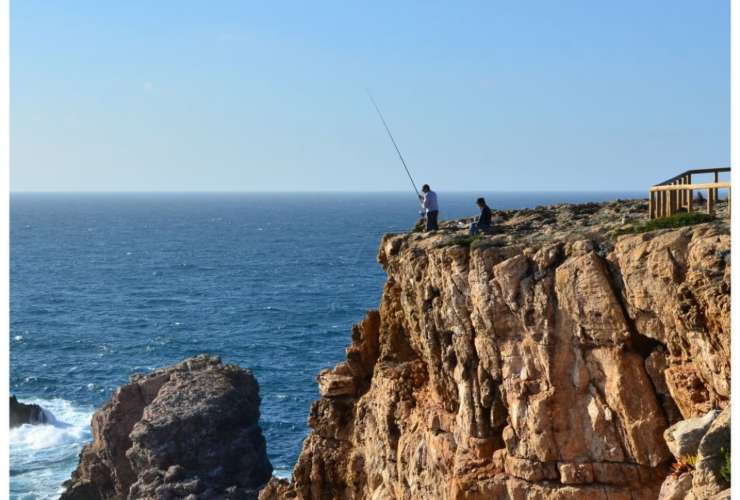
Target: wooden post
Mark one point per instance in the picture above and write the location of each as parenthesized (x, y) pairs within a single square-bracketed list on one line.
[(690, 196), (710, 200), (676, 203), (677, 197), (656, 204), (690, 203), (666, 203), (675, 200), (667, 200), (686, 191), (716, 190)]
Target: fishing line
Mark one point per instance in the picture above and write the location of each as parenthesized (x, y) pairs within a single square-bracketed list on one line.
[(388, 130)]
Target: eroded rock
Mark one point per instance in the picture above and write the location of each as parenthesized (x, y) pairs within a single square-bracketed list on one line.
[(189, 429), (708, 479), (683, 438), (676, 487), (22, 413), (722, 495)]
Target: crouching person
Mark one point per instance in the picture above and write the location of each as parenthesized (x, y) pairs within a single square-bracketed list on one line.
[(483, 224)]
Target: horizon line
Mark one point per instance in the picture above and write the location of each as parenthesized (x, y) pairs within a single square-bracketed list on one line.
[(632, 190)]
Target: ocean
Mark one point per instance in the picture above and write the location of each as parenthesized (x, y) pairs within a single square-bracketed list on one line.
[(106, 285)]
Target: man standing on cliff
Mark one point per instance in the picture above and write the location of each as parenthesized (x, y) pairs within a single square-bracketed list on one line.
[(429, 202)]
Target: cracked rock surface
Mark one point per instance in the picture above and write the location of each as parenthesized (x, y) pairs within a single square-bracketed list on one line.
[(187, 431)]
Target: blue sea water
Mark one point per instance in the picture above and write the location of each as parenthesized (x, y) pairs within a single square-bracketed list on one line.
[(107, 285)]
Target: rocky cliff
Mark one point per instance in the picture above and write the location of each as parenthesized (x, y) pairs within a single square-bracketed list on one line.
[(187, 431), (544, 361)]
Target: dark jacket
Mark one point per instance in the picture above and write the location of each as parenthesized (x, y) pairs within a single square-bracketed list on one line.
[(485, 217)]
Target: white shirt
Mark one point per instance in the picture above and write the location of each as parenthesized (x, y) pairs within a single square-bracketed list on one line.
[(430, 201)]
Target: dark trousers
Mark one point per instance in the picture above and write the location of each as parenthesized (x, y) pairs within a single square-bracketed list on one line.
[(432, 220), (475, 228)]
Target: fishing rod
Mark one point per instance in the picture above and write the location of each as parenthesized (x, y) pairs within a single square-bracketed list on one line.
[(394, 142)]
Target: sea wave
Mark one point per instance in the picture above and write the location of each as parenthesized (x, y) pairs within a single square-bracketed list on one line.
[(43, 456), (283, 473)]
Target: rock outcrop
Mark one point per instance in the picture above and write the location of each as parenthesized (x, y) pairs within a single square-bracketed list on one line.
[(683, 438), (22, 413), (542, 362), (701, 446), (709, 478), (187, 431)]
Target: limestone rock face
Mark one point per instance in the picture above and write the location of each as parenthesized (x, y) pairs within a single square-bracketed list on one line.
[(677, 290), (187, 431), (543, 362), (22, 413)]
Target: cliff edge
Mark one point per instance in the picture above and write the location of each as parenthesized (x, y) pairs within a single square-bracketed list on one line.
[(544, 361)]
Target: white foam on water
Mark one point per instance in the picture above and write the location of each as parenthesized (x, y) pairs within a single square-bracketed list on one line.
[(282, 473), (43, 456)]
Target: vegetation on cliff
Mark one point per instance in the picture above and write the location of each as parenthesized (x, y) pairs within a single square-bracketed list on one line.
[(674, 221)]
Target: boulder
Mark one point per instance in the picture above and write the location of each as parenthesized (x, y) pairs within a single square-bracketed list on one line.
[(22, 413), (714, 445), (676, 487), (683, 437), (187, 431)]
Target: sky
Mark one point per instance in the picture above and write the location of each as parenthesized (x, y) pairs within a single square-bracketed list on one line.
[(271, 96)]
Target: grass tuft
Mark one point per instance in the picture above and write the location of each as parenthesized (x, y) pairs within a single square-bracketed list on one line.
[(674, 221), (725, 468), (685, 464), (466, 241)]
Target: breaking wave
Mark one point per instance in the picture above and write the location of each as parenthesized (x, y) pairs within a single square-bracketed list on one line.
[(43, 456)]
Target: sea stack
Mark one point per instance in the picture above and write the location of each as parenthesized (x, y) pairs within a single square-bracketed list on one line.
[(545, 360), (187, 431)]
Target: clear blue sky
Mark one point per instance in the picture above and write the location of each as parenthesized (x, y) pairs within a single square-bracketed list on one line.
[(504, 95)]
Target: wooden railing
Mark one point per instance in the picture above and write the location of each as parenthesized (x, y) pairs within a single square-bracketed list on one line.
[(677, 193)]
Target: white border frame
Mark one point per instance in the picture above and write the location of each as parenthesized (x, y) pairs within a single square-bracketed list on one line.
[(5, 236)]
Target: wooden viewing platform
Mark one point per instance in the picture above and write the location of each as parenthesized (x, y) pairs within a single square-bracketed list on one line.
[(677, 193)]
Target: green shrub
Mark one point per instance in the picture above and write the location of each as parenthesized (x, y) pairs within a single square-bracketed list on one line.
[(691, 460), (466, 241), (672, 222), (684, 464), (725, 468)]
